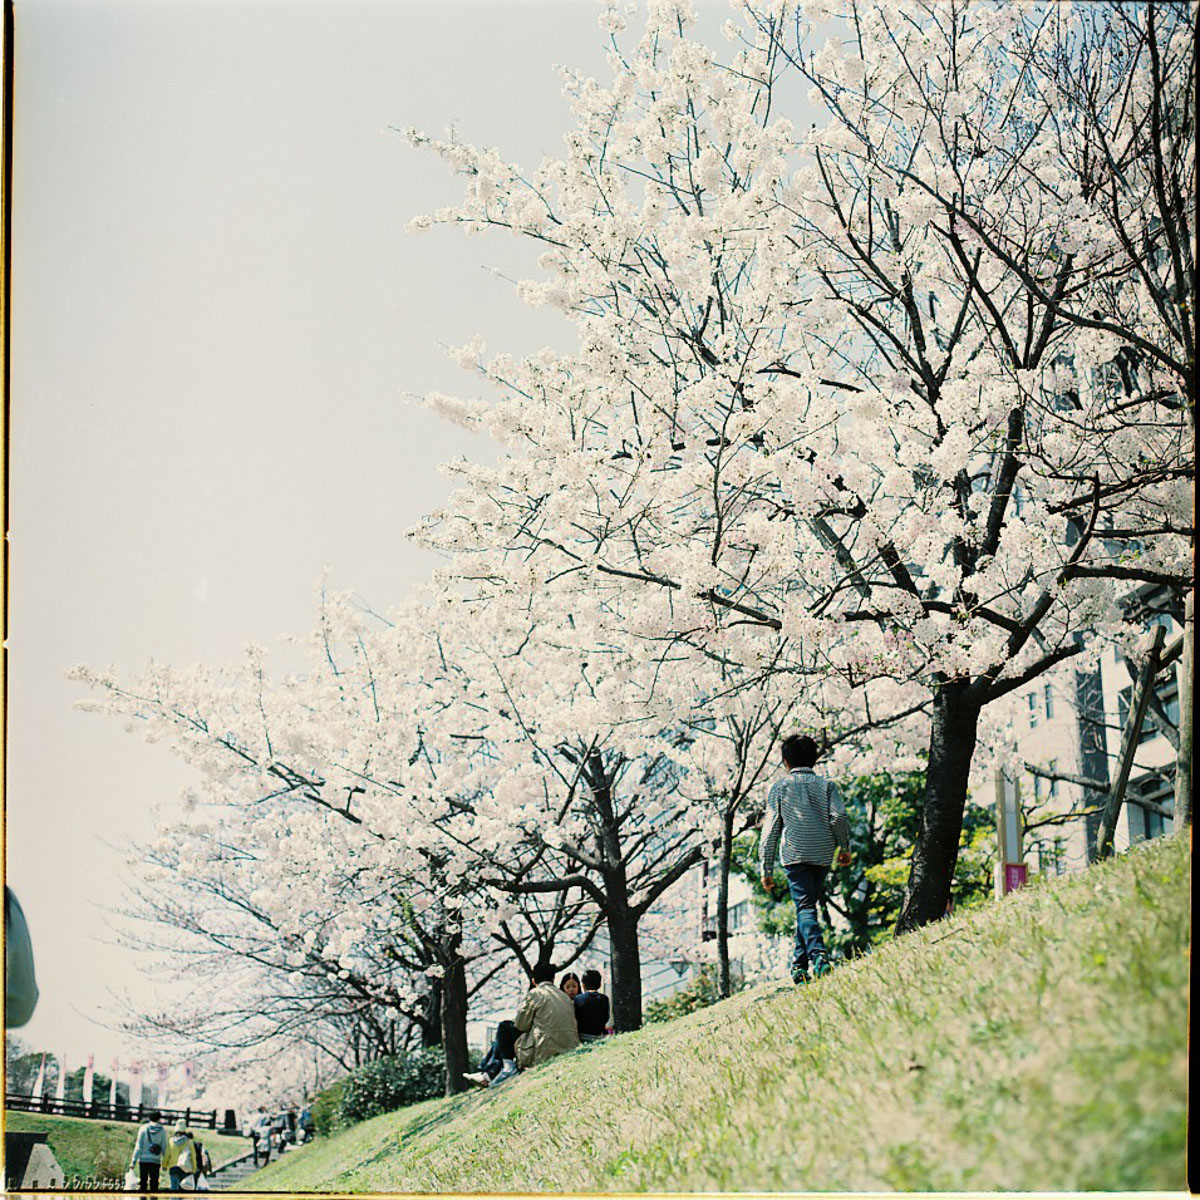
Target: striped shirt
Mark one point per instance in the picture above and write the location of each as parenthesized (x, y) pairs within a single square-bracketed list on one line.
[(805, 812)]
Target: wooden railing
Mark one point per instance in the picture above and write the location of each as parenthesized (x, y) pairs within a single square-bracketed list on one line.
[(109, 1112)]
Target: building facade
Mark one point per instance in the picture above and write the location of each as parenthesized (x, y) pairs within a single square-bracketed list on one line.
[(1069, 736)]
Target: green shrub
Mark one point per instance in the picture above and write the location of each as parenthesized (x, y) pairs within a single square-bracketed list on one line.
[(699, 993), (326, 1108), (109, 1163), (391, 1083)]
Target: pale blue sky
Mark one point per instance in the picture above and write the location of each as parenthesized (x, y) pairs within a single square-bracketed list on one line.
[(216, 312)]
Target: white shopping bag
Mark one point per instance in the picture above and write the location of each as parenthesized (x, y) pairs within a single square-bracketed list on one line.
[(202, 1182), (132, 1180)]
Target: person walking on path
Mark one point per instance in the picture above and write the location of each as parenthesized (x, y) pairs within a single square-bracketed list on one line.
[(148, 1152), (805, 824), (260, 1135), (180, 1156)]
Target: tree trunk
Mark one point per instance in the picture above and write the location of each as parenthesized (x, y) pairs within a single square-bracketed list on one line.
[(1093, 750), (626, 991), (454, 1019), (1183, 758), (935, 854), (431, 1023), (1138, 703), (724, 983)]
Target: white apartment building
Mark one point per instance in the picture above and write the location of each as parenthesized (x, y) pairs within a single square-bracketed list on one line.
[(1072, 725)]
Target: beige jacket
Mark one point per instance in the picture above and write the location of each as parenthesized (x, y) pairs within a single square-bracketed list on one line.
[(546, 1020)]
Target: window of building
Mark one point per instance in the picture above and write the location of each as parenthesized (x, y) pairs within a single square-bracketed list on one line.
[(1031, 700), (1051, 855), (1052, 765), (1048, 693), (1144, 824), (1167, 691)]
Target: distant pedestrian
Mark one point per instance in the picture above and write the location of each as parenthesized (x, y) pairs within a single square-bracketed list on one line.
[(806, 824), (148, 1152), (180, 1156), (260, 1135), (591, 1009), (203, 1164)]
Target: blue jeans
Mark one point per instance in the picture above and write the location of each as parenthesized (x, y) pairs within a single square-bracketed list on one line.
[(806, 881), (504, 1047)]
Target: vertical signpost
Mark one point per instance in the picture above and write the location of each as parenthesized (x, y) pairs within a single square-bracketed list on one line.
[(1010, 869)]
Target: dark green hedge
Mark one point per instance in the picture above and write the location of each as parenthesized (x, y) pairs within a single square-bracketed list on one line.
[(326, 1109), (391, 1083)]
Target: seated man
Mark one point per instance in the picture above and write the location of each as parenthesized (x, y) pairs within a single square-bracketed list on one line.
[(500, 1062), (591, 1008), (546, 1026)]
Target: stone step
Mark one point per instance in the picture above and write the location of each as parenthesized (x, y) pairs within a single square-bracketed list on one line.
[(229, 1177)]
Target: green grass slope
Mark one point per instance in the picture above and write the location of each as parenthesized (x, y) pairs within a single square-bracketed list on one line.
[(101, 1149), (1035, 1044)]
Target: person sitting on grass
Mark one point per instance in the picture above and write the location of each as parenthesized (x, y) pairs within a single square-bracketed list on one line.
[(500, 1062), (546, 1026), (591, 1009)]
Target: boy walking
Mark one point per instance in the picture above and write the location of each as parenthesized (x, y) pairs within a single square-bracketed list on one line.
[(805, 824)]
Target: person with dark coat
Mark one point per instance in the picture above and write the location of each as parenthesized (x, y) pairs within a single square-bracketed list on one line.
[(500, 1062), (591, 1009)]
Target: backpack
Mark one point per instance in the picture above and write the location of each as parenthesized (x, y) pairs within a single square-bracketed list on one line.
[(186, 1161)]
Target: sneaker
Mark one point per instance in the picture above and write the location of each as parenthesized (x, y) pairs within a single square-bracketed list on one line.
[(820, 968), (478, 1078), (800, 977), (507, 1071)]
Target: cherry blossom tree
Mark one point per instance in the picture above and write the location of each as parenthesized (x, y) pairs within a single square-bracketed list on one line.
[(576, 773), (310, 852), (846, 384)]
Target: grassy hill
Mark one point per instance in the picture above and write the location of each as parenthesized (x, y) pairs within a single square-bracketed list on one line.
[(1035, 1044), (102, 1148)]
